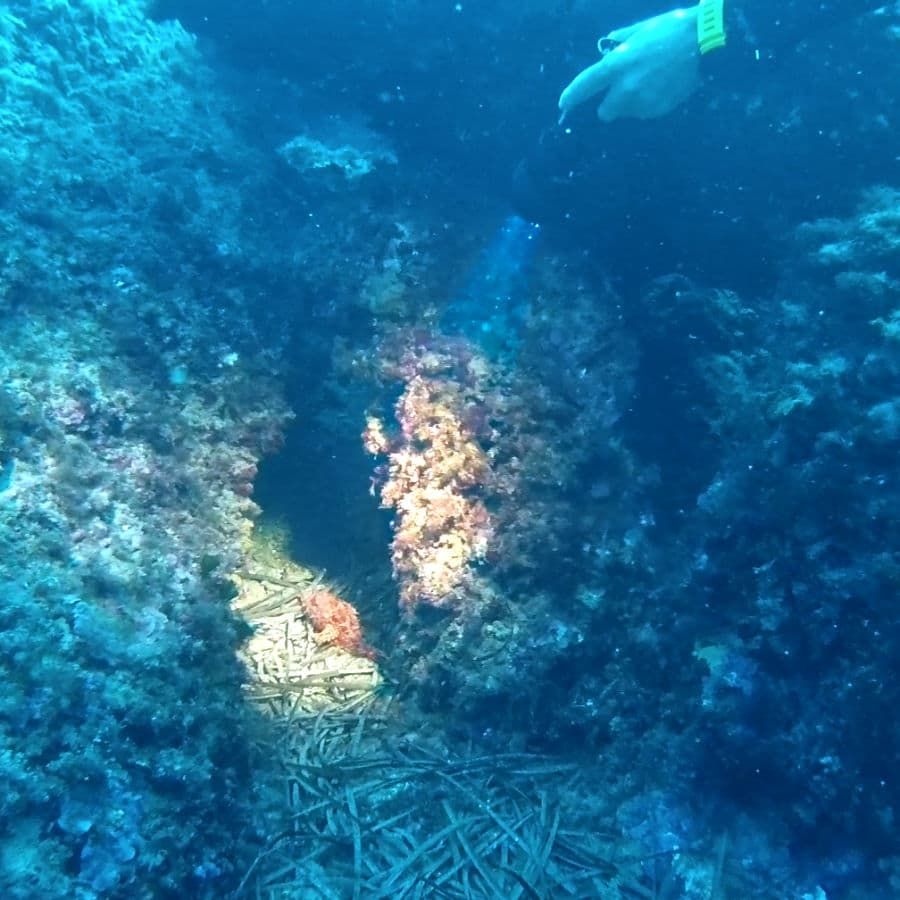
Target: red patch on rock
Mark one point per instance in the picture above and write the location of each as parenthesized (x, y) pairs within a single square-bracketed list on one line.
[(335, 621)]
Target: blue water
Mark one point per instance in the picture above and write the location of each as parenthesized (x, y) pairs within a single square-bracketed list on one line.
[(620, 537), (488, 307)]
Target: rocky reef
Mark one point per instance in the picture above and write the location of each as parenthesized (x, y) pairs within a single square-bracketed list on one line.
[(585, 566)]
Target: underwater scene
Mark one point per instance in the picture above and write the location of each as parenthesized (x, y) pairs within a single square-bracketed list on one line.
[(449, 449)]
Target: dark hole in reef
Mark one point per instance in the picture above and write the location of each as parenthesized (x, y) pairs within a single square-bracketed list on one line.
[(320, 483), (319, 486)]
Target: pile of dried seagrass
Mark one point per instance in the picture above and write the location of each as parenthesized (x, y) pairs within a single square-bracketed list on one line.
[(372, 810)]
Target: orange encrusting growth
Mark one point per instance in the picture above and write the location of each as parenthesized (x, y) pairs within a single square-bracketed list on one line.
[(436, 473)]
